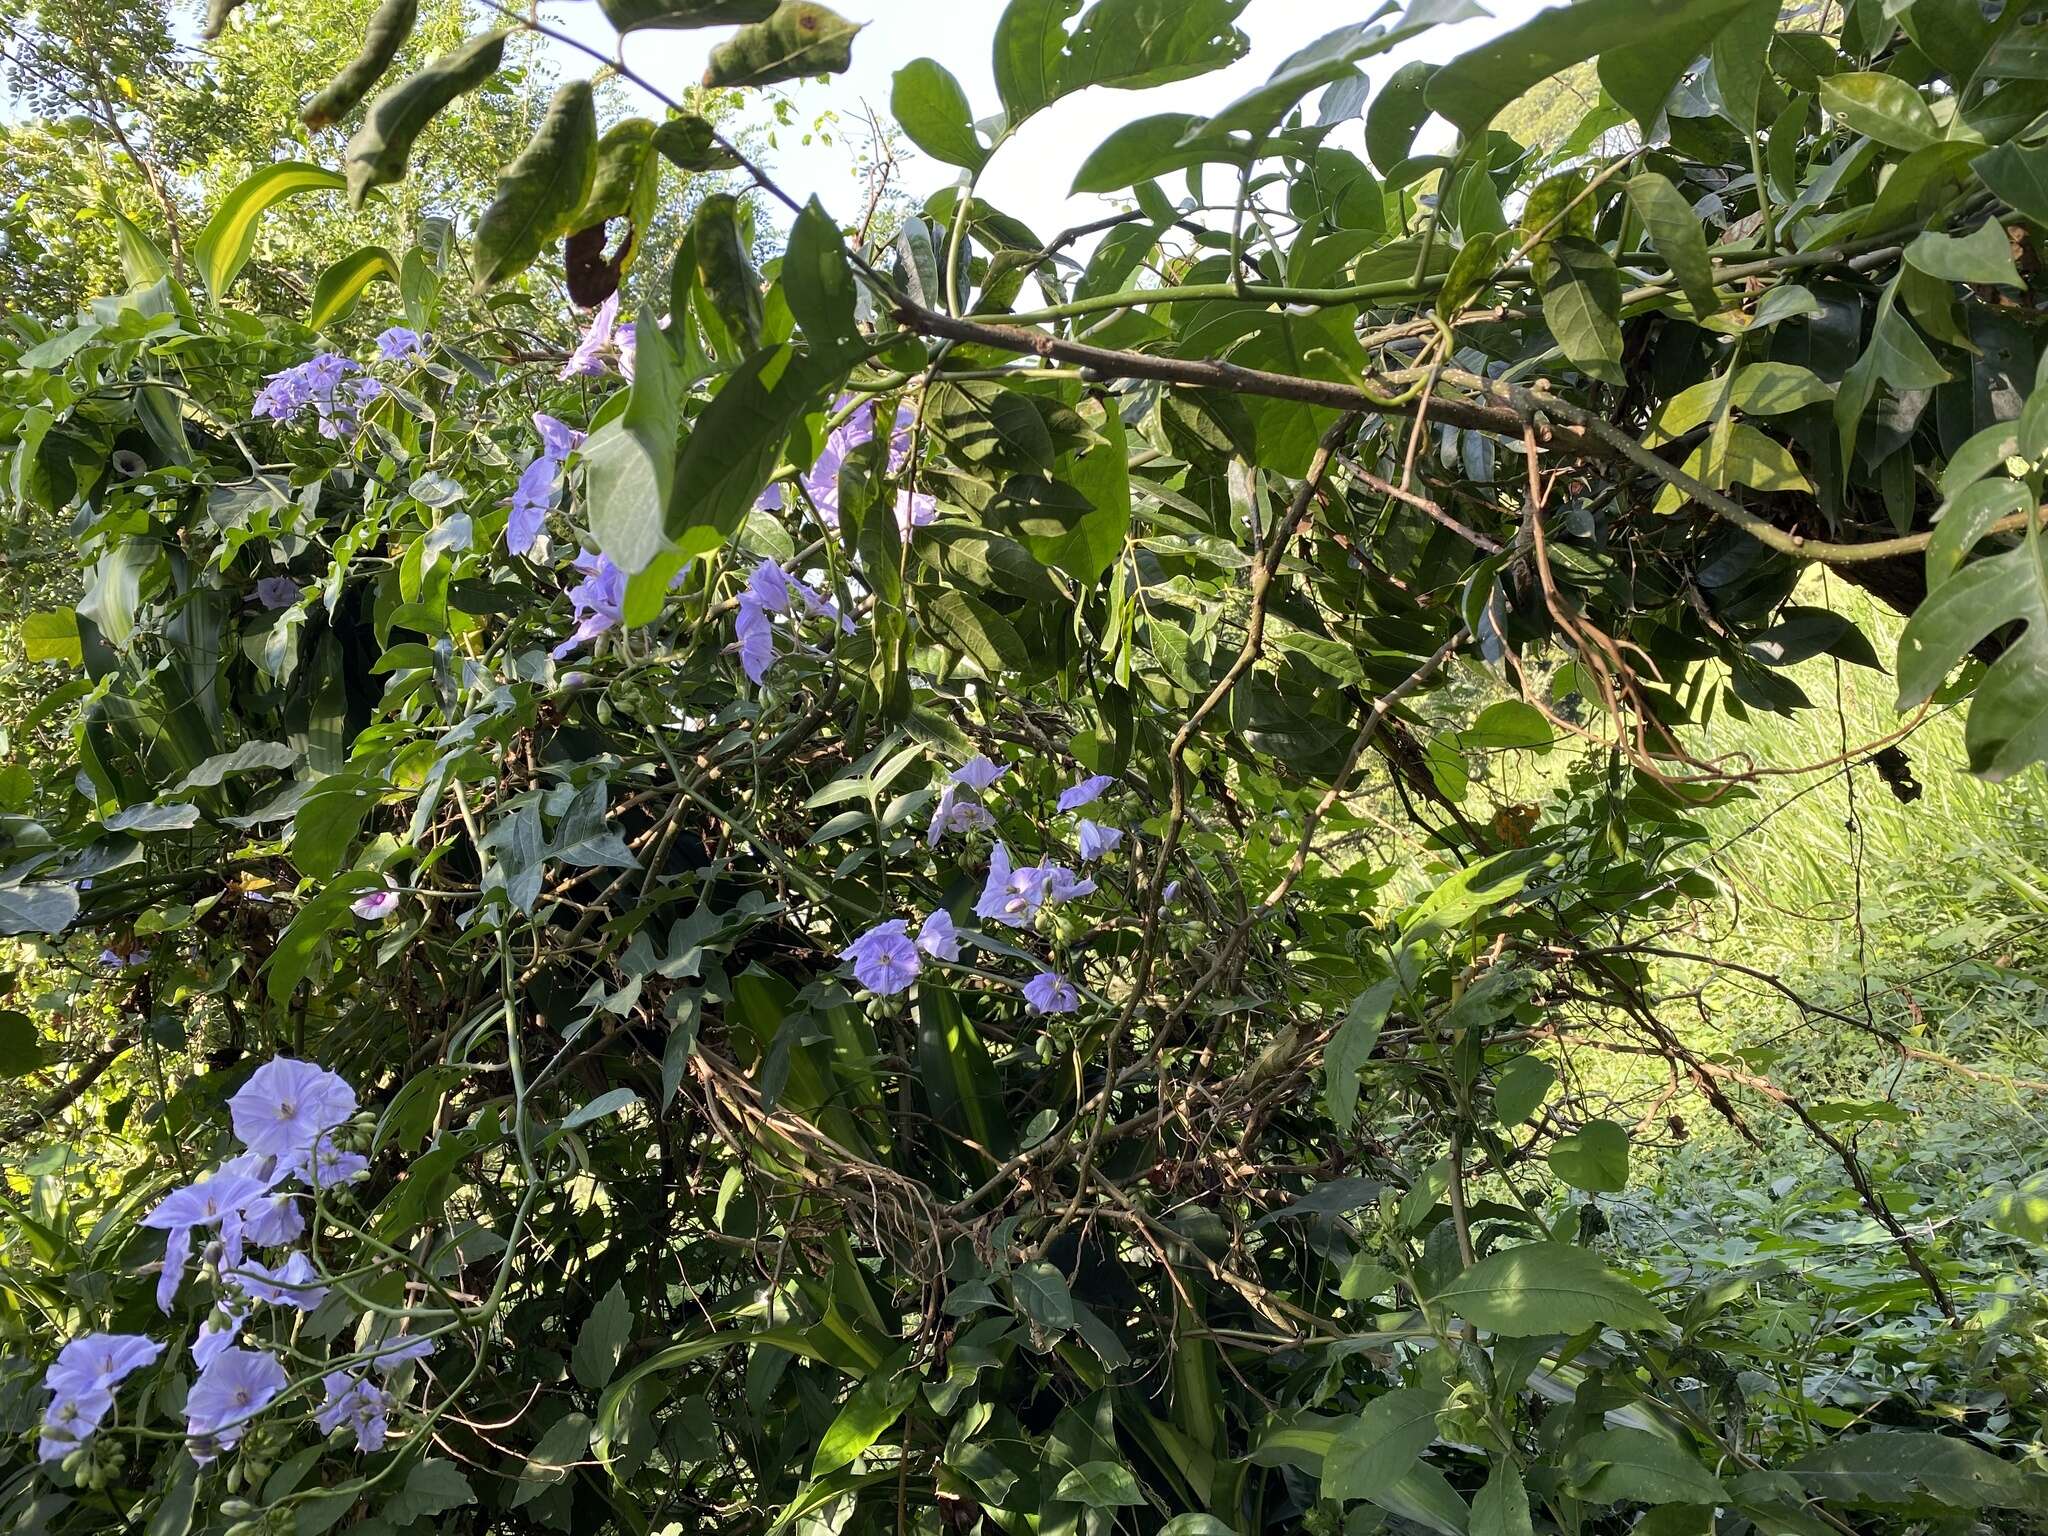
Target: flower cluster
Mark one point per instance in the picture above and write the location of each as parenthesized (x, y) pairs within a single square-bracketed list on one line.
[(332, 386), (292, 1119), (914, 509), (540, 483), (886, 960), (771, 590)]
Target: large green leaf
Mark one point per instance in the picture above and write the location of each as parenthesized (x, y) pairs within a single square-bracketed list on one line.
[(1640, 66), (932, 109), (602, 1339), (1582, 305), (1546, 1288), (1595, 1157), (380, 148), (1674, 229), (2008, 725), (1611, 1465), (1350, 1047), (872, 1407), (1891, 1466), (633, 15), (1381, 1444), (1127, 45), (1502, 1506), (224, 246), (383, 35), (541, 191), (1984, 255), (799, 38), (1881, 107), (345, 282), (629, 463), (1154, 146)]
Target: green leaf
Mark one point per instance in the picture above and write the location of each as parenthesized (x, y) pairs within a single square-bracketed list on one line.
[(378, 152), (384, 35), (634, 15), (21, 1049), (932, 109), (1674, 229), (1474, 266), (1594, 1158), (1127, 45), (224, 246), (1637, 1465), (1880, 107), (1739, 54), (1582, 301), (1100, 1485), (1155, 146), (249, 757), (1522, 1089), (1042, 1292), (142, 260), (301, 939), (625, 157), (343, 283), (1546, 1288), (2019, 176), (1984, 255), (868, 1412), (52, 635), (1502, 1507), (690, 143), (1738, 454), (602, 1339), (968, 625), (817, 281), (2021, 1211), (629, 463), (726, 275), (540, 192), (1640, 67), (1351, 1046), (37, 908), (566, 1443), (798, 39), (1397, 114), (1380, 1446), (1965, 518), (1092, 544), (1471, 90), (431, 1488), (2008, 724), (1890, 1466)]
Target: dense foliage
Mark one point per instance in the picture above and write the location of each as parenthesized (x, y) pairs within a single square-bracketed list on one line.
[(764, 906)]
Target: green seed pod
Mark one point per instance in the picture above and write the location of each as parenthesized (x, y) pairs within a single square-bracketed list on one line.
[(633, 15), (378, 153), (386, 34), (691, 144), (540, 192), (729, 279), (801, 38)]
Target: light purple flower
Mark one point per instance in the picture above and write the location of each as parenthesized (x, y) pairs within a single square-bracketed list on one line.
[(884, 960), (1096, 839), (939, 936), (276, 592), (755, 639), (238, 1385), (374, 906), (1087, 792), (294, 1283), (952, 814), (1048, 992), (1011, 896), (400, 342), (557, 438), (979, 772), (70, 1420), (207, 1202), (121, 962), (274, 1220), (327, 383), (532, 498), (221, 1331), (100, 1361), (286, 1104), (915, 509), (1171, 894), (1062, 884), (391, 1353), (177, 1258), (354, 1401), (328, 1165), (587, 361), (599, 600), (626, 342)]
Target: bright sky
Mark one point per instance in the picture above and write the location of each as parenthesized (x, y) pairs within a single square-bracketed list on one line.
[(1029, 178)]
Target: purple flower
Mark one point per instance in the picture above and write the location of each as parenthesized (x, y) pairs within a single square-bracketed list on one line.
[(1062, 884), (532, 498), (399, 342), (940, 937), (1011, 896), (587, 361), (626, 342), (207, 1202), (70, 1420), (286, 1104), (294, 1283), (177, 1256), (915, 509), (1048, 992), (389, 1354), (120, 962), (238, 1385), (979, 772), (328, 1165), (755, 638), (884, 960), (326, 382), (1087, 792), (99, 1361), (1096, 839), (599, 600), (354, 1401), (952, 814), (217, 1335), (274, 1220), (374, 906), (275, 592), (1171, 894), (557, 438)]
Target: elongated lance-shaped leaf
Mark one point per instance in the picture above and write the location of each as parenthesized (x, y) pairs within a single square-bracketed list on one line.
[(540, 192), (622, 160), (801, 38), (345, 282), (675, 15), (1674, 229), (225, 244), (386, 33), (378, 153)]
